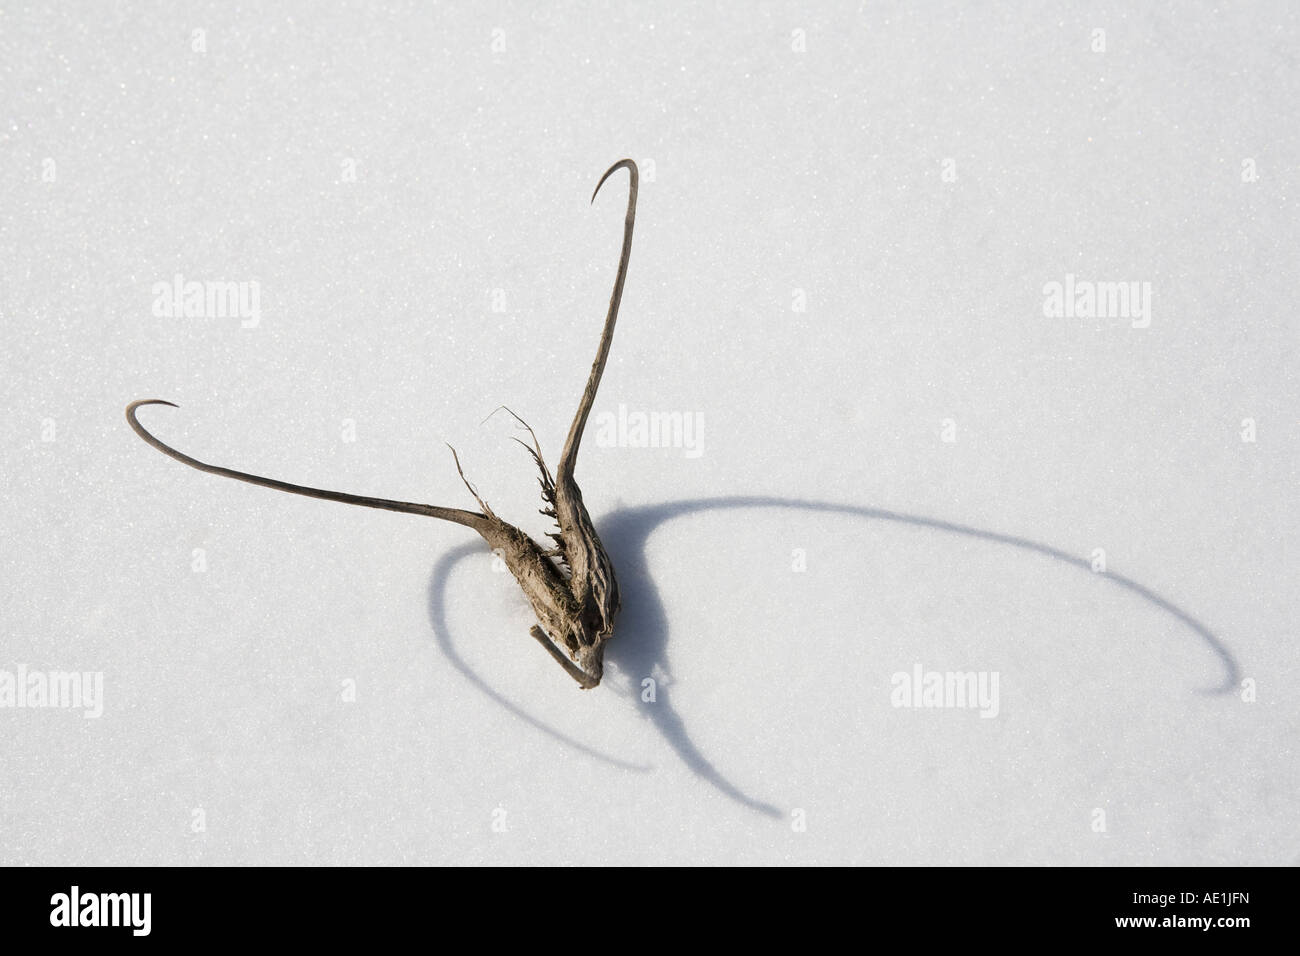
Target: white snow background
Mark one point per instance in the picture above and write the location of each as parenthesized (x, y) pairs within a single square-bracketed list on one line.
[(912, 174)]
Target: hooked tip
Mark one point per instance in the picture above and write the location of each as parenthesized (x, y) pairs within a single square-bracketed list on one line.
[(130, 409), (629, 164)]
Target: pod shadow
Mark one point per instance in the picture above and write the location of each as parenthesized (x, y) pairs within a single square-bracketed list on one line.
[(640, 646)]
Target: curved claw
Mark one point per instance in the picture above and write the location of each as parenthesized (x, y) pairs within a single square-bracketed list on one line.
[(621, 164), (564, 471), (469, 519)]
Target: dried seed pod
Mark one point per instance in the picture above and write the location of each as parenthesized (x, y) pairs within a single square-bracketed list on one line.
[(571, 587)]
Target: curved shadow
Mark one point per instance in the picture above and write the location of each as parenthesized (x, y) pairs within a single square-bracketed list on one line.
[(437, 582), (643, 625)]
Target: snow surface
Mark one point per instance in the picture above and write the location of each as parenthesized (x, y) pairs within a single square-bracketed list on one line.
[(462, 268)]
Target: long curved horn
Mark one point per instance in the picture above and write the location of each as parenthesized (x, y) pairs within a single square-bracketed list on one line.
[(469, 519), (570, 454)]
